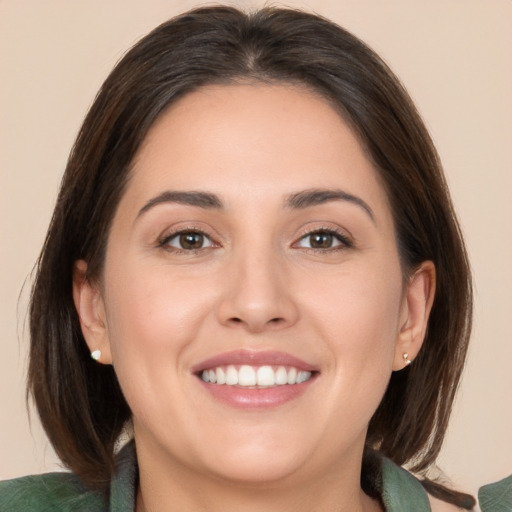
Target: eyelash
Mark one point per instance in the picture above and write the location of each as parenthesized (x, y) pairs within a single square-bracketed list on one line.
[(344, 241), (163, 243)]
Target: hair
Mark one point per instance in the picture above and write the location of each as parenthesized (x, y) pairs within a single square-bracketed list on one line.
[(80, 403)]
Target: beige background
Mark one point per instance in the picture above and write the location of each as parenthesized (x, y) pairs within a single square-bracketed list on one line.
[(454, 56)]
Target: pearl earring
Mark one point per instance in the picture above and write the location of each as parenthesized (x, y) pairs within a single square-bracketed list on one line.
[(407, 361), (96, 354)]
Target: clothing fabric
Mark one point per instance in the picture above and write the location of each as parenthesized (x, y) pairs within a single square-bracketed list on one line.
[(64, 492), (496, 497)]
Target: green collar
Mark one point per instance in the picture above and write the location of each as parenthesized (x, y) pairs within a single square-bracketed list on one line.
[(402, 492)]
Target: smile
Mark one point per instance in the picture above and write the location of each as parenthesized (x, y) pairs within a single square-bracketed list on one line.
[(255, 376), (255, 379)]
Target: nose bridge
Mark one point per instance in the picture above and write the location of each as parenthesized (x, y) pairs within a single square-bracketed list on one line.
[(257, 296)]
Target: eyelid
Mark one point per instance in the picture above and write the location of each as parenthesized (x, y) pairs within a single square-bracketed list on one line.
[(346, 239), (169, 234)]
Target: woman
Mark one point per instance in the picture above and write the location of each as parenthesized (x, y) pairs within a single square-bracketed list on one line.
[(255, 243)]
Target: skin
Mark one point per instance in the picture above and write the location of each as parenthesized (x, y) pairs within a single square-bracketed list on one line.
[(256, 283)]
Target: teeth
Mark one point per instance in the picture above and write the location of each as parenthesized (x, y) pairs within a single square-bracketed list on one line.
[(231, 376), (246, 376), (221, 376), (249, 376), (281, 376), (266, 376), (303, 377)]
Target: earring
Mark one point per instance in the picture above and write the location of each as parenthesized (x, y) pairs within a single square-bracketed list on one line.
[(96, 354), (407, 361)]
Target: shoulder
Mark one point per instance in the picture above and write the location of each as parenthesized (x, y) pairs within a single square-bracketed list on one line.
[(496, 497), (55, 492), (401, 490), (65, 492)]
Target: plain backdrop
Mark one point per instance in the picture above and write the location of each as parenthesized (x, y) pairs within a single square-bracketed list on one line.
[(455, 58)]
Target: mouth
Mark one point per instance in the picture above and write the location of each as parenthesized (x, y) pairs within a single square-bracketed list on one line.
[(249, 379), (254, 377)]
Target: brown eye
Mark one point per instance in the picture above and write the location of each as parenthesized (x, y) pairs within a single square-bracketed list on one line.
[(324, 240), (321, 240), (188, 241), (191, 240)]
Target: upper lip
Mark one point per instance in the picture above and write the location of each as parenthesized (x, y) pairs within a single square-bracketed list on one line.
[(254, 358)]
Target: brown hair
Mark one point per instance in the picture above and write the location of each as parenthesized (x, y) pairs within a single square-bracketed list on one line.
[(80, 402)]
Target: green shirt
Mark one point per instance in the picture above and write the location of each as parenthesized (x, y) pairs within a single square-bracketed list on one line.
[(496, 497), (64, 492)]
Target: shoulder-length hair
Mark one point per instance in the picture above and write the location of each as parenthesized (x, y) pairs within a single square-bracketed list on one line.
[(80, 402)]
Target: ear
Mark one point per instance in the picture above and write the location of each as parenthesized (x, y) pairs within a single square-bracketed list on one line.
[(91, 312), (417, 303)]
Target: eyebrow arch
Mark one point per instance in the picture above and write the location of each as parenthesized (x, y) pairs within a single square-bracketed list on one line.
[(316, 196), (192, 198)]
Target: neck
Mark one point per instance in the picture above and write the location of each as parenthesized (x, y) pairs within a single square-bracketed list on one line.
[(256, 501), (337, 490)]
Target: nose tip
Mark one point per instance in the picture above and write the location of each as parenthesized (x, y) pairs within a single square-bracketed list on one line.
[(257, 301)]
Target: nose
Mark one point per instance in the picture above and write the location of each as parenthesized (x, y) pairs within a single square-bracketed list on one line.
[(258, 295)]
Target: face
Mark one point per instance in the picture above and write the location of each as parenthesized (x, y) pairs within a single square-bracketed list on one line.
[(254, 244)]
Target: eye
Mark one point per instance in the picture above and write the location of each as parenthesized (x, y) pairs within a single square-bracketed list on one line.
[(324, 240), (187, 241)]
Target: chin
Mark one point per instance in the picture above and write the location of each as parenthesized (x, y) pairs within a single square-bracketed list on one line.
[(266, 471), (265, 460)]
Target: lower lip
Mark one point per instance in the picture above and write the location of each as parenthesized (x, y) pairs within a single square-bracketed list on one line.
[(254, 398)]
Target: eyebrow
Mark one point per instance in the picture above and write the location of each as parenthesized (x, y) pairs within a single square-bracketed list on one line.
[(297, 201), (314, 197), (191, 198)]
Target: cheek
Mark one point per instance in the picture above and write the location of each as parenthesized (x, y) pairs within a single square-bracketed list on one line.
[(362, 305), (153, 319), (153, 315), (358, 313)]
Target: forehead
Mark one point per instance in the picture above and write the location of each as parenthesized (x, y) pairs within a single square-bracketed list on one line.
[(252, 139)]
